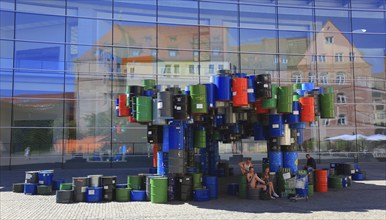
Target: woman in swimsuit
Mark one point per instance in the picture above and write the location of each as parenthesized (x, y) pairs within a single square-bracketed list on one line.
[(268, 182)]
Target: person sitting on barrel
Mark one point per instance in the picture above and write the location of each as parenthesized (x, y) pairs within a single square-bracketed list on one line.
[(253, 180), (269, 183), (310, 162), (245, 166)]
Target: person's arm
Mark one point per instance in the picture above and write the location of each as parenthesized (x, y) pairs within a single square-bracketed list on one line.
[(241, 165), (260, 180)]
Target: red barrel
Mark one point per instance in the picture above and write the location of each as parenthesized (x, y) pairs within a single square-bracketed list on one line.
[(240, 91), (307, 109), (155, 150), (132, 119), (122, 108), (321, 181), (259, 107)]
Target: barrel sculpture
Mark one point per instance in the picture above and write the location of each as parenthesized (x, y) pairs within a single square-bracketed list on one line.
[(240, 92), (199, 103), (307, 111), (284, 99), (224, 86)]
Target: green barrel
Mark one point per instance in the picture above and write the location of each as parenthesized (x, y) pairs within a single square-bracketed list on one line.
[(216, 135), (284, 99), (134, 182), (44, 190), (200, 138), (18, 187), (297, 86), (295, 98), (199, 104), (122, 194), (335, 182), (243, 187), (327, 109), (144, 109), (280, 182), (159, 190), (272, 102), (65, 186), (310, 190), (148, 84), (197, 180), (127, 93)]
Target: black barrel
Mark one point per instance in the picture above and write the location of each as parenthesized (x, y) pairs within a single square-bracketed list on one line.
[(31, 177), (155, 134), (344, 169), (181, 109), (173, 195), (143, 179), (273, 144), (263, 86), (177, 161), (185, 188), (64, 196), (174, 90), (315, 94), (109, 185), (289, 148), (80, 185), (18, 187), (44, 190), (165, 104)]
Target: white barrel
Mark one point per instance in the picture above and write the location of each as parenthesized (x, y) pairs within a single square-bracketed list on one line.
[(286, 139), (95, 180)]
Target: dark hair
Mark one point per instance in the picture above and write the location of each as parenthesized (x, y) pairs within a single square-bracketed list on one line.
[(308, 155), (251, 167)]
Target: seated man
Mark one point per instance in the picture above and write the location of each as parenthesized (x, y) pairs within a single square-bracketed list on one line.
[(310, 162), (245, 165), (253, 180)]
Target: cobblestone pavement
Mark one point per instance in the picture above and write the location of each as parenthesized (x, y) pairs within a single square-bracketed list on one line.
[(364, 200)]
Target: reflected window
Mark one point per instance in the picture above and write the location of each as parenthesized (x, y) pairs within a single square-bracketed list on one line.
[(216, 52), (296, 77), (168, 68), (135, 52), (340, 78), (172, 53), (329, 40), (284, 59), (313, 58), (342, 119), (352, 57), (220, 67), (154, 53), (172, 39), (191, 69), (322, 58), (148, 39), (176, 68), (324, 78), (311, 77), (211, 68), (326, 122), (341, 98), (276, 59), (379, 107), (339, 57)]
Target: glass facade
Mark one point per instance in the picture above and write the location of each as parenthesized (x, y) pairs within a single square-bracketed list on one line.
[(63, 63)]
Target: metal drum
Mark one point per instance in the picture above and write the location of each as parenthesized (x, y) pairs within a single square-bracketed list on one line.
[(200, 137), (165, 137), (259, 109), (251, 89), (315, 94), (134, 182), (286, 139), (335, 182), (31, 176), (211, 91), (201, 195), (321, 180), (284, 99), (290, 160), (181, 110), (307, 111), (224, 87), (275, 160), (176, 136), (144, 109), (177, 162), (240, 92), (263, 86), (272, 102), (327, 105), (80, 185), (276, 128), (18, 187), (122, 194), (157, 119), (155, 134), (148, 187), (174, 89), (95, 180), (243, 187), (165, 104), (211, 183), (199, 102), (293, 117), (64, 196), (159, 190)]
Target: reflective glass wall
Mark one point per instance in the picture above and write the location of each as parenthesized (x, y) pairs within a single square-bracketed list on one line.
[(63, 63)]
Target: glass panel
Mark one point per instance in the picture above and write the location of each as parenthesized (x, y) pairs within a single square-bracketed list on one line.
[(260, 64), (89, 31), (178, 12), (7, 25), (42, 7), (212, 62), (5, 134), (265, 2), (295, 42), (5, 83), (262, 17), (45, 27), (6, 54), (90, 8), (302, 3), (89, 59), (218, 14), (261, 41), (370, 44), (338, 20), (295, 19), (38, 84), (134, 34), (178, 36), (370, 4), (7, 4), (340, 4), (188, 67), (291, 66), (134, 10), (136, 64), (368, 21), (218, 39)]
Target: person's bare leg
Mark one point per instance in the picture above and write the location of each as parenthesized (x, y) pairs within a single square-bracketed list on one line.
[(271, 186)]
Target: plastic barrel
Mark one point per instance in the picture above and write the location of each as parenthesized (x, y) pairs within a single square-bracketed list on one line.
[(211, 90), (284, 99), (308, 86), (148, 186), (273, 144), (155, 134), (286, 139), (211, 183), (201, 195), (18, 187), (177, 162), (275, 160), (138, 195), (30, 188), (184, 188), (149, 93), (149, 84), (251, 89), (122, 194), (197, 180), (160, 163), (200, 137), (310, 189), (276, 128), (321, 181), (94, 194), (159, 190), (224, 87), (165, 137), (144, 109), (307, 111), (301, 125), (272, 102), (293, 117), (109, 186), (176, 137), (240, 92), (45, 177), (243, 187), (31, 176), (259, 132), (65, 186), (132, 92), (358, 176), (123, 110), (259, 109), (230, 116), (335, 182), (165, 104), (290, 160), (80, 185), (199, 104), (181, 109), (157, 119), (263, 86), (134, 182), (64, 196), (44, 190), (327, 109)]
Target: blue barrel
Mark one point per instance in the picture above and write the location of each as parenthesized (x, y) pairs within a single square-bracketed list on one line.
[(293, 117), (94, 194), (201, 195), (275, 160), (260, 133), (357, 176), (153, 170), (218, 120), (121, 186), (224, 87), (211, 183), (165, 142), (45, 177), (300, 125), (290, 160), (308, 86), (251, 89), (191, 170), (160, 166), (276, 125), (344, 181), (138, 195), (30, 188), (321, 90), (299, 136), (176, 137), (302, 189), (117, 107), (233, 189), (149, 93), (56, 183), (211, 90), (187, 90)]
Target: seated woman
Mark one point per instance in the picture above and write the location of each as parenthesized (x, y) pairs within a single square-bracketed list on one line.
[(253, 180), (267, 181), (245, 165)]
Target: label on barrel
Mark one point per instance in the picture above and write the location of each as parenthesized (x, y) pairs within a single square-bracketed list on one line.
[(211, 105), (106, 187), (298, 134), (199, 106), (83, 189), (41, 182), (159, 105), (292, 140), (28, 176), (275, 96), (91, 192), (113, 181), (250, 90), (295, 112), (149, 132), (265, 85), (286, 175), (178, 108), (234, 93), (275, 125)]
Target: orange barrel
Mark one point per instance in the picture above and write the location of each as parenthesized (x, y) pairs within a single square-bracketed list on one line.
[(259, 107), (240, 91), (321, 179), (155, 150), (122, 108), (307, 110)]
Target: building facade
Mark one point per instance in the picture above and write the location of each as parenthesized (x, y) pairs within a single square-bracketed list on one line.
[(63, 63)]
